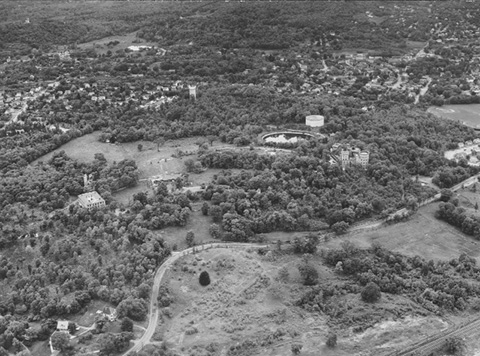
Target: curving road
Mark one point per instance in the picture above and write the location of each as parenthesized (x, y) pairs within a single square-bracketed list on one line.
[(153, 311)]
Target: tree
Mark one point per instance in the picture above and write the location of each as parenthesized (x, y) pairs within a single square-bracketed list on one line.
[(60, 341), (331, 340), (216, 213), (296, 348), (189, 238), (127, 325), (308, 273), (455, 345), (140, 147), (143, 291), (205, 208), (446, 195), (340, 227), (211, 139), (204, 279), (214, 231), (72, 327), (371, 293), (159, 141), (113, 343), (283, 274)]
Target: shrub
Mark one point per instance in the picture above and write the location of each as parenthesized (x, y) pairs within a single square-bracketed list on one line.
[(309, 274), (296, 348), (371, 293), (204, 278), (127, 325), (283, 274), (189, 238), (455, 345), (332, 340)]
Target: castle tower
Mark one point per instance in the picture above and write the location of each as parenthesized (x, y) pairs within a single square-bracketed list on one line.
[(88, 182), (364, 158), (345, 158), (85, 181), (192, 89)]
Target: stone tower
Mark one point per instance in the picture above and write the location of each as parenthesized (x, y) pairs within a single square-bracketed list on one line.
[(88, 183), (192, 89)]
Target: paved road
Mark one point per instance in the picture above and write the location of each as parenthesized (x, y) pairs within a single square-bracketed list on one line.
[(154, 312)]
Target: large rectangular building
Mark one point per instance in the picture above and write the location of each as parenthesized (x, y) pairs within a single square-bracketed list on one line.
[(91, 200)]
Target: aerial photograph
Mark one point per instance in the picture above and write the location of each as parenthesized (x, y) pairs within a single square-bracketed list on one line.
[(239, 178)]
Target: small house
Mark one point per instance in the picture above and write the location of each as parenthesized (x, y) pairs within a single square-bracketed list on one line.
[(62, 325)]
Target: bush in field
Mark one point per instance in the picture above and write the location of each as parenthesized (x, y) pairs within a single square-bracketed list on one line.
[(308, 273), (204, 278), (455, 345), (189, 238), (283, 274), (371, 293), (296, 348), (127, 325), (331, 340)]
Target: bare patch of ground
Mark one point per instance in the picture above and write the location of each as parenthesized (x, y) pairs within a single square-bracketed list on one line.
[(247, 311)]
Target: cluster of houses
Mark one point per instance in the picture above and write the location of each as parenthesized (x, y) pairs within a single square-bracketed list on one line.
[(67, 94), (107, 314), (468, 150)]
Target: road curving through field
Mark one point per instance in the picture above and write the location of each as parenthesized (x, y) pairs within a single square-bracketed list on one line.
[(160, 273)]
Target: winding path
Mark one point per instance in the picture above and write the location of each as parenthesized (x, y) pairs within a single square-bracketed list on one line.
[(159, 274)]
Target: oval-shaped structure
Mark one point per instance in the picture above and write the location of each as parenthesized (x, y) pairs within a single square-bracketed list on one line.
[(315, 120)]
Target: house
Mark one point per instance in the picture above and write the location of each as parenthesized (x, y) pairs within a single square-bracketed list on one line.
[(91, 200), (110, 313), (62, 325), (169, 179), (107, 314)]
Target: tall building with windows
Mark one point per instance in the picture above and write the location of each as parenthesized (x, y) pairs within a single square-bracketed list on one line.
[(345, 155)]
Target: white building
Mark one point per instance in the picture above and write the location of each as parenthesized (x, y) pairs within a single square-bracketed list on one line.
[(347, 156), (315, 120), (91, 200)]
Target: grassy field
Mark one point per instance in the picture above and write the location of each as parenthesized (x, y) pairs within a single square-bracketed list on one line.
[(129, 39), (197, 222), (468, 114), (149, 161), (422, 235), (245, 302)]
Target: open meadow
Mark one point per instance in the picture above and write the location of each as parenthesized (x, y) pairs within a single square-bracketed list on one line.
[(422, 234), (247, 310), (468, 114)]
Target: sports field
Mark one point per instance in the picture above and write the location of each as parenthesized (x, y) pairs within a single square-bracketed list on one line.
[(468, 114)]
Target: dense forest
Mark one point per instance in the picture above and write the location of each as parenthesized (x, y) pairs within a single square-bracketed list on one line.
[(258, 67), (437, 286)]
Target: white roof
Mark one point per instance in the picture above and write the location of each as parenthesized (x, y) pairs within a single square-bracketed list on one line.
[(62, 324)]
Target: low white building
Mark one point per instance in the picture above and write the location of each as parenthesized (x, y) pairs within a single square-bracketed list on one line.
[(91, 200)]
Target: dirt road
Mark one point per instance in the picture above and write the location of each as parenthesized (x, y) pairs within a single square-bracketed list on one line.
[(154, 312)]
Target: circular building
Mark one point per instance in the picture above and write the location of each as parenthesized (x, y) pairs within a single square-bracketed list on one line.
[(315, 120)]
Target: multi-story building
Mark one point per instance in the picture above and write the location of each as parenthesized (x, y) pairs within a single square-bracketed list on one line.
[(345, 155), (91, 200)]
